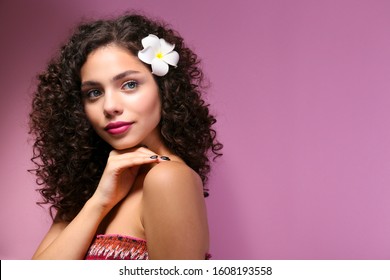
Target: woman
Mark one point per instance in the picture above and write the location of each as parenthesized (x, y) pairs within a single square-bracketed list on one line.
[(122, 139)]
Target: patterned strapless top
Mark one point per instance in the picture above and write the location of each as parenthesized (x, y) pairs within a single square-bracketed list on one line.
[(119, 247)]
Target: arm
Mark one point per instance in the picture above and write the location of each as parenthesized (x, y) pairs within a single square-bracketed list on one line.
[(174, 213), (72, 240)]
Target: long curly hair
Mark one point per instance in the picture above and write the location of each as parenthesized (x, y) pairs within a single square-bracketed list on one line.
[(69, 156)]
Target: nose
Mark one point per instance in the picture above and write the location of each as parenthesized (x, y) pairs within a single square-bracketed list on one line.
[(112, 105)]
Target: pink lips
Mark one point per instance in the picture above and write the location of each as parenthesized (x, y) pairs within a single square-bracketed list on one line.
[(118, 127)]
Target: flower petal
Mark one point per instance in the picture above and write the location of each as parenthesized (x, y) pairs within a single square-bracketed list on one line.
[(159, 67), (171, 58), (151, 41), (166, 47), (147, 55)]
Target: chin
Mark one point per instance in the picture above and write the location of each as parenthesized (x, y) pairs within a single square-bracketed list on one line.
[(119, 144), (124, 147)]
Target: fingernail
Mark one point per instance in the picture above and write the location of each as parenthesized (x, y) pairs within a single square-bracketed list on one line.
[(165, 158), (154, 157)]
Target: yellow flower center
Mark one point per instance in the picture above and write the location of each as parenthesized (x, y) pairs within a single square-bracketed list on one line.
[(159, 55)]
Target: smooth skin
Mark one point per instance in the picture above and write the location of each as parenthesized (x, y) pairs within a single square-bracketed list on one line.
[(149, 198)]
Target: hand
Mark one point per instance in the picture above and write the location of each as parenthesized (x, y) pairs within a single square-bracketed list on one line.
[(119, 175)]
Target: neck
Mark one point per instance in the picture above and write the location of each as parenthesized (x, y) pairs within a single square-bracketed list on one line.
[(155, 144)]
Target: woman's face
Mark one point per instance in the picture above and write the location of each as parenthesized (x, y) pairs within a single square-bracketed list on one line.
[(121, 98)]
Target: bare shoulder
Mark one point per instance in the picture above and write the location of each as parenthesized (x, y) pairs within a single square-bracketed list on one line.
[(172, 177), (174, 213)]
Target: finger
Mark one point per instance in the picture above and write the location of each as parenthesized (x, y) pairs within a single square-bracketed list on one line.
[(125, 161), (129, 155), (144, 150)]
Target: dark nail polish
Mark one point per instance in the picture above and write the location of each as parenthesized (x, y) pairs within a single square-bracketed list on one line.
[(165, 158), (154, 157)]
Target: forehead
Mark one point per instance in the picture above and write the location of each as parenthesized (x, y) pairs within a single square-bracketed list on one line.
[(108, 61)]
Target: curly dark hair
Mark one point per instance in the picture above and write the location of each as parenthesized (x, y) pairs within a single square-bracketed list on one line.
[(69, 156)]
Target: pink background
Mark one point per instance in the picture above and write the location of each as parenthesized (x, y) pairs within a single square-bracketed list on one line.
[(301, 92)]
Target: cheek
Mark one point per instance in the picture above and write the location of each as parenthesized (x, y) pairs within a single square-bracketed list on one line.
[(150, 105), (155, 110)]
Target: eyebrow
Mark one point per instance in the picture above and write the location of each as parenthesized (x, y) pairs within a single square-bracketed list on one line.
[(115, 78), (125, 74)]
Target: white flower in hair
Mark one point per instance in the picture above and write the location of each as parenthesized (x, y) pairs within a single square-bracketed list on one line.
[(158, 53)]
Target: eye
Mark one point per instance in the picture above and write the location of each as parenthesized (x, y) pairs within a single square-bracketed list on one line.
[(93, 94), (130, 85)]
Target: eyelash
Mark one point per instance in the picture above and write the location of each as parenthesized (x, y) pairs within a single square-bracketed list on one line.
[(134, 85), (89, 92)]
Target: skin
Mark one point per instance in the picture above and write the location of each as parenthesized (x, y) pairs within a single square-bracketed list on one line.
[(149, 198)]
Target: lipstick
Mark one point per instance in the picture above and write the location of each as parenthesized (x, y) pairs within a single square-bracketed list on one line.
[(117, 127)]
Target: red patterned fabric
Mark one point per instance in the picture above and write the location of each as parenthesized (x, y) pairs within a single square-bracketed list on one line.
[(119, 247)]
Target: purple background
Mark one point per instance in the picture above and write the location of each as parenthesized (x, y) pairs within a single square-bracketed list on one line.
[(301, 92)]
